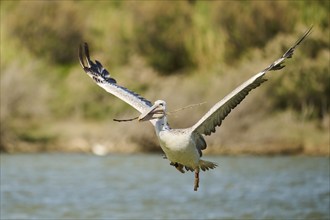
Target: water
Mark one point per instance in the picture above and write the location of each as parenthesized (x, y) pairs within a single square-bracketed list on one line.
[(74, 186)]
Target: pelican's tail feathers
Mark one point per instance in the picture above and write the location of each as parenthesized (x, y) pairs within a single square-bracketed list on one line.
[(206, 165)]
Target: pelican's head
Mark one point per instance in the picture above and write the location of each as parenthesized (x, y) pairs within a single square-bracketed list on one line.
[(157, 111)]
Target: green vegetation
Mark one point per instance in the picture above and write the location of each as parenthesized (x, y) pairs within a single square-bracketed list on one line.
[(197, 50)]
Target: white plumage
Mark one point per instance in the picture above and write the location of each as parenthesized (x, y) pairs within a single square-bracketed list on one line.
[(183, 147)]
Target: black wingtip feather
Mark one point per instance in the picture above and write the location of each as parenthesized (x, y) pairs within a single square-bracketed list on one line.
[(278, 67), (93, 69), (80, 55), (86, 51), (289, 52)]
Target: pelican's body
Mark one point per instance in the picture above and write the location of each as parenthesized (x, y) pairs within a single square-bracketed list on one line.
[(182, 147), (179, 147)]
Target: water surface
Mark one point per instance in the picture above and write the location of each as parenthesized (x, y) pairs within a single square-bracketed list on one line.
[(76, 186)]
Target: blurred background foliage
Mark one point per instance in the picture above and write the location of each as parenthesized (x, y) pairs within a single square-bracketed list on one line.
[(204, 48)]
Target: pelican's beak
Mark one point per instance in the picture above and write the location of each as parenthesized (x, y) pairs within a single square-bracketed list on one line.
[(156, 111)]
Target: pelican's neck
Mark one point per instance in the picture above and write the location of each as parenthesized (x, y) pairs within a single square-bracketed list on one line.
[(161, 125)]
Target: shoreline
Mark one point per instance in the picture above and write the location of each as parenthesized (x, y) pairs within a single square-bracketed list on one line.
[(88, 147)]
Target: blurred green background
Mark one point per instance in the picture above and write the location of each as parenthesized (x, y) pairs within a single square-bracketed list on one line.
[(183, 52)]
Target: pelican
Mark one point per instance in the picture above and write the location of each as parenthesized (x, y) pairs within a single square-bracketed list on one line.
[(182, 147)]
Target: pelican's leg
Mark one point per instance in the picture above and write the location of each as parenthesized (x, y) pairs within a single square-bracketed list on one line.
[(196, 184)]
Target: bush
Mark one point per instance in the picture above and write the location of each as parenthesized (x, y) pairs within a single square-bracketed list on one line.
[(161, 32), (305, 86), (252, 23), (48, 29)]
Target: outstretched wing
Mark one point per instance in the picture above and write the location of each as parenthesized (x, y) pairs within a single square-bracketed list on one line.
[(214, 117), (102, 78)]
